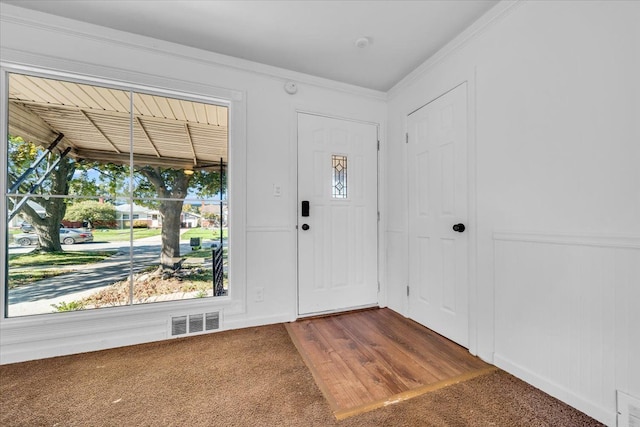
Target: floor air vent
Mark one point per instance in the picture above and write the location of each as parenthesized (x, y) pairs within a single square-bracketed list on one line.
[(628, 410), (190, 324), (212, 321), (178, 325)]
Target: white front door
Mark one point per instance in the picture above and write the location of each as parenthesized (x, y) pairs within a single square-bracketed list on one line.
[(437, 170), (337, 214)]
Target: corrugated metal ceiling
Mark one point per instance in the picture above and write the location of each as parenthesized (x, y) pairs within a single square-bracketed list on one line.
[(96, 123)]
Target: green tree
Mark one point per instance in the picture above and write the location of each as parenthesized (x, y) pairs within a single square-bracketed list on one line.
[(171, 186), (107, 180), (158, 188), (91, 211)]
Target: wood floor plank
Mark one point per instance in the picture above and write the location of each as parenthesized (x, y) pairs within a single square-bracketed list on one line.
[(370, 358), (426, 343), (360, 361), (327, 367), (409, 370), (396, 338), (338, 372)]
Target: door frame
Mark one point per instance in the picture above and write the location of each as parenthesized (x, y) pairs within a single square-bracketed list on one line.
[(468, 77), (296, 202)]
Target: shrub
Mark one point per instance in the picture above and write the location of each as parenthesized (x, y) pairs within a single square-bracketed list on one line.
[(90, 211), (140, 224), (69, 306)]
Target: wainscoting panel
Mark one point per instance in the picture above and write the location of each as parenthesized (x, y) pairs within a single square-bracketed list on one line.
[(562, 321)]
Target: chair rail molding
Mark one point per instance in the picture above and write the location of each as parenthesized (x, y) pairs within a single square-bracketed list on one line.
[(571, 239)]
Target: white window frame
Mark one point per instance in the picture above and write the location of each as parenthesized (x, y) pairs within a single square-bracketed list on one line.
[(232, 304)]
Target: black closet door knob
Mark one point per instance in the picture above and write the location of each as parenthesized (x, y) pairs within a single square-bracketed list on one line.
[(459, 228), (305, 227)]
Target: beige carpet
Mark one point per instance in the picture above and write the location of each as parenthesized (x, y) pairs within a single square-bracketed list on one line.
[(249, 377)]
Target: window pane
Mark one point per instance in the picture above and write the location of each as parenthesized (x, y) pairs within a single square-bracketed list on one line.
[(67, 138), (89, 258), (180, 161), (339, 184), (193, 253), (180, 152), (127, 181)]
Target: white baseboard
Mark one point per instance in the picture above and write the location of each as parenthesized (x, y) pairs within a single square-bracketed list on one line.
[(118, 336), (257, 321), (604, 415)]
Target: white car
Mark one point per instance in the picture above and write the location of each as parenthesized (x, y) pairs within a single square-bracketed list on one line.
[(68, 236)]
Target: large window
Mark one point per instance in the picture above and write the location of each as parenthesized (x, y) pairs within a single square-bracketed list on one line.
[(113, 197)]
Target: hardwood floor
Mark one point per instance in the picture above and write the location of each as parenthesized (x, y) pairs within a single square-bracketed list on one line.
[(367, 359)]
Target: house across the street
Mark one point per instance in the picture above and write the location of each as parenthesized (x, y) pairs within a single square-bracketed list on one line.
[(141, 216)]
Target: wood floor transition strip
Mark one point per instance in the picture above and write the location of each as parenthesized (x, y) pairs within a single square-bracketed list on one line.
[(409, 394)]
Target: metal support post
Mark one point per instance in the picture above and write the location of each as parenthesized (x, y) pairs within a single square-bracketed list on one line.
[(35, 186), (35, 164)]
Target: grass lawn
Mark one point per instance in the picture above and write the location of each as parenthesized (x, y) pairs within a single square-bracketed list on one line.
[(23, 277), (58, 258), (204, 233), (200, 253), (101, 235), (216, 233)]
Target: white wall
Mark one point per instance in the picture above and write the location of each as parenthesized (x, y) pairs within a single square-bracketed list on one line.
[(263, 153), (555, 132)]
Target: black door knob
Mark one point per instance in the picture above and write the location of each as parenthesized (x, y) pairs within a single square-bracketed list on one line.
[(459, 228), (305, 227)]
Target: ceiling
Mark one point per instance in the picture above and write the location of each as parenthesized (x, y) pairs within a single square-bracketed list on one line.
[(312, 37)]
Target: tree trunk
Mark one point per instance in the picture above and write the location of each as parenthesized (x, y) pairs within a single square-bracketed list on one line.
[(48, 228), (170, 211), (169, 184)]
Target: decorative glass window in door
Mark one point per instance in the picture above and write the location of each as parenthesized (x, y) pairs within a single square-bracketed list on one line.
[(339, 184)]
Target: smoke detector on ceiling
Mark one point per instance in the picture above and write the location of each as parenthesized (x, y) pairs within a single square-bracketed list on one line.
[(363, 42), (290, 87)]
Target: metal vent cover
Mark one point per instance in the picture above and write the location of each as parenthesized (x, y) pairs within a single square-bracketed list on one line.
[(212, 321), (628, 410), (178, 325), (194, 323)]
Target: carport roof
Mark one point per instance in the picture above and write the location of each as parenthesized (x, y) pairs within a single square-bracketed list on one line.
[(96, 122)]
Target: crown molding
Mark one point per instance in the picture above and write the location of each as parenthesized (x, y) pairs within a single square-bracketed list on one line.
[(483, 23), (44, 21)]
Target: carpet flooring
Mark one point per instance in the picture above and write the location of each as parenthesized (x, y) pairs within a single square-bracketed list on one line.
[(248, 377)]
